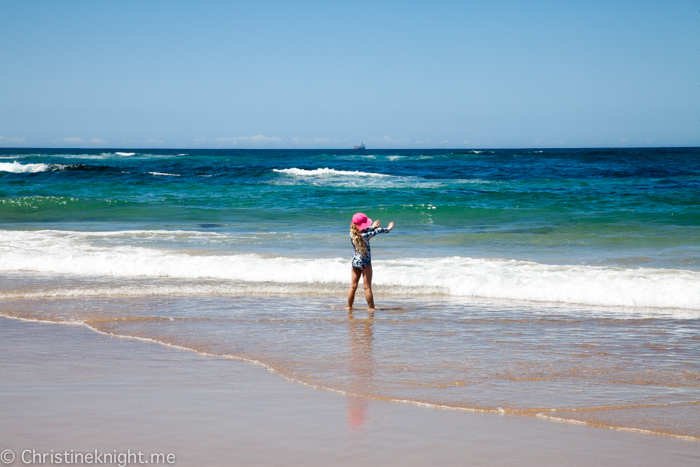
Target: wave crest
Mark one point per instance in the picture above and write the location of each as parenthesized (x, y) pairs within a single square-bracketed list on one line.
[(326, 172), (56, 253), (16, 167)]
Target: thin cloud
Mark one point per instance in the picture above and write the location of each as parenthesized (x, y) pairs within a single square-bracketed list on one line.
[(389, 139), (73, 140), (257, 139), (11, 140), (325, 142), (540, 143), (97, 141), (448, 143), (388, 142)]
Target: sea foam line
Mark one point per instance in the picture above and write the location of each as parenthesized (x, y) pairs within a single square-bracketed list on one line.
[(171, 290), (327, 172), (85, 234), (275, 371), (617, 428)]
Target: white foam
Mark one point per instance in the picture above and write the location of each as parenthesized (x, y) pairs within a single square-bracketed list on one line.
[(82, 235), (16, 167), (176, 289), (164, 174), (326, 172), (345, 178), (59, 253), (110, 155)]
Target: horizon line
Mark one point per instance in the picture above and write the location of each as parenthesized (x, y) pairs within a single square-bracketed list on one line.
[(345, 149)]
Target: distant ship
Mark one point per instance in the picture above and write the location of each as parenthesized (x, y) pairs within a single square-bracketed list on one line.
[(360, 146)]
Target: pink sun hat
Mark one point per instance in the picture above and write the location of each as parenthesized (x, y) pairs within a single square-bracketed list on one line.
[(361, 220)]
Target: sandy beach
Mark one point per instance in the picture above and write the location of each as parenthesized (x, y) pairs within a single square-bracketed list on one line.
[(191, 191), (68, 388)]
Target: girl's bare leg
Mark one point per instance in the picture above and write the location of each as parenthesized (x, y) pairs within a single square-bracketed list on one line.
[(354, 281), (367, 275)]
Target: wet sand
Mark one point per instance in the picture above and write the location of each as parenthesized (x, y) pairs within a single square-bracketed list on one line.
[(68, 388)]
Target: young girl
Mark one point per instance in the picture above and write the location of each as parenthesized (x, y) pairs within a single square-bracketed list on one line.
[(361, 230)]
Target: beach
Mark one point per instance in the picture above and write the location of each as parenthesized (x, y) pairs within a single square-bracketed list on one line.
[(66, 387), (538, 307), (190, 193)]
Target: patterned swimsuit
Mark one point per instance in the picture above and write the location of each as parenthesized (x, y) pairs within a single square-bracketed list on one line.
[(360, 262)]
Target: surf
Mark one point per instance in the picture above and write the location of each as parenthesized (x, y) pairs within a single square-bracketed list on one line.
[(73, 253), (16, 167)]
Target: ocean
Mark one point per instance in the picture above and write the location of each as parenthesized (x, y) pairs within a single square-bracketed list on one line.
[(561, 284)]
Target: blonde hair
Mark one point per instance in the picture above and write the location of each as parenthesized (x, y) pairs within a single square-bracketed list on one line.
[(357, 239)]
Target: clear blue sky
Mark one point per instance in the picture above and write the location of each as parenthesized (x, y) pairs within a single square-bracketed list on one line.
[(329, 74)]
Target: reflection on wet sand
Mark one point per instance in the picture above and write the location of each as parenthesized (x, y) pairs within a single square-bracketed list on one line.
[(581, 366), (361, 366)]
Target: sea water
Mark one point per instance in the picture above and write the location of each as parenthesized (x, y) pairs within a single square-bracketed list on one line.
[(563, 284)]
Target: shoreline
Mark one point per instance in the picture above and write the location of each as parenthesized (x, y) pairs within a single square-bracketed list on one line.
[(373, 427), (277, 373)]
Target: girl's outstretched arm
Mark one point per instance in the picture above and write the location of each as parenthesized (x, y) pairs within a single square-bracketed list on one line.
[(370, 232)]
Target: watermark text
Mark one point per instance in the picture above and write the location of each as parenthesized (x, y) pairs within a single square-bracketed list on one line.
[(96, 457)]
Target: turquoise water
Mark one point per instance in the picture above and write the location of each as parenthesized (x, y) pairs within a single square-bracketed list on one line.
[(550, 283)]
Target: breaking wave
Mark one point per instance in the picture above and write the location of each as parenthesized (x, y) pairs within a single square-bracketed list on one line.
[(16, 167), (326, 172), (53, 252)]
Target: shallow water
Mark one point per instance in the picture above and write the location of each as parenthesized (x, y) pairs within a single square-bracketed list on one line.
[(606, 367), (64, 386)]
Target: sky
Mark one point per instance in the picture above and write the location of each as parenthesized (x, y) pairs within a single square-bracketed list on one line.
[(331, 74)]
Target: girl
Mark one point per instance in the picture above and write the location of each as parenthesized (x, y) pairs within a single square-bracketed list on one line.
[(361, 230)]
